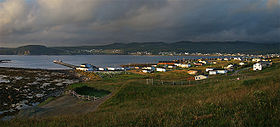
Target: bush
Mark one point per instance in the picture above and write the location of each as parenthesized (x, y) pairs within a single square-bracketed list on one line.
[(85, 90)]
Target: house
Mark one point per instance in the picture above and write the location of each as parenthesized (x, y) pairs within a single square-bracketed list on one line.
[(101, 69), (170, 67), (209, 69), (256, 60), (198, 64), (212, 72), (242, 63), (222, 71), (86, 65), (200, 77), (259, 66), (166, 63), (160, 69), (111, 69), (183, 65), (147, 71), (192, 72), (203, 61), (229, 66), (237, 58), (84, 69)]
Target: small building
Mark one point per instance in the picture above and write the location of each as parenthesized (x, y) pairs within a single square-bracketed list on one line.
[(203, 61), (111, 69), (198, 64), (166, 63), (160, 69), (86, 65), (212, 72), (237, 58), (200, 77), (259, 66), (171, 67), (84, 69), (147, 71), (222, 71), (230, 66), (183, 65), (192, 72), (241, 63), (256, 60), (101, 69), (209, 69)]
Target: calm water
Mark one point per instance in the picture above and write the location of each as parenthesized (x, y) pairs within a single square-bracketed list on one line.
[(45, 62)]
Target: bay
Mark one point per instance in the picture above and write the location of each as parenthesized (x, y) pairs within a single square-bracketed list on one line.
[(46, 61)]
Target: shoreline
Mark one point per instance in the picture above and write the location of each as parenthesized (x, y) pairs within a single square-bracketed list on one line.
[(21, 88)]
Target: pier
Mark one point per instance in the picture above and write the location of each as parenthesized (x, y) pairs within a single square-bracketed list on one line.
[(64, 64)]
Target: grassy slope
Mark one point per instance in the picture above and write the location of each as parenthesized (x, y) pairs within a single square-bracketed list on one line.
[(221, 101)]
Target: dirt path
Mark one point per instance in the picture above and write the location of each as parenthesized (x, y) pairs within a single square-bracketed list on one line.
[(63, 106)]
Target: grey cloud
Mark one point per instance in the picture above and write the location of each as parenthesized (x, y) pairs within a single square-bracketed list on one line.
[(74, 22)]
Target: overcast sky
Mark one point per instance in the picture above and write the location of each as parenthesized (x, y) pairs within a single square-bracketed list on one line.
[(95, 22)]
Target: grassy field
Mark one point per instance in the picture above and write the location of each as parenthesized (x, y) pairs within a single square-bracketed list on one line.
[(220, 101)]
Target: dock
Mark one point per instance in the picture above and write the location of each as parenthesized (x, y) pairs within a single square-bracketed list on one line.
[(64, 64)]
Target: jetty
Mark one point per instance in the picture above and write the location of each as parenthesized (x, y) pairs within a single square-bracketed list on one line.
[(64, 64)]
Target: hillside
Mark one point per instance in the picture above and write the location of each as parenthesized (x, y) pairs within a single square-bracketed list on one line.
[(220, 101), (152, 47)]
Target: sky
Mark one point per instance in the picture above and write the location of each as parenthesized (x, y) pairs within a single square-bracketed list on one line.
[(98, 22)]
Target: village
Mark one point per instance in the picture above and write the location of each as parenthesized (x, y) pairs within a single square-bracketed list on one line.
[(198, 69)]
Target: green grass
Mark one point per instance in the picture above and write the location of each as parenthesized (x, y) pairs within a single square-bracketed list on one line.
[(219, 101)]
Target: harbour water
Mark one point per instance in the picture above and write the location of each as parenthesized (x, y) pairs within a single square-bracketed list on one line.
[(46, 61)]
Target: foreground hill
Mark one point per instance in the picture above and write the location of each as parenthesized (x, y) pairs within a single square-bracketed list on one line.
[(254, 100), (152, 47)]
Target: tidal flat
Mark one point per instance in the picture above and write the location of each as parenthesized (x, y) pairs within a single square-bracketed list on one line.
[(24, 88)]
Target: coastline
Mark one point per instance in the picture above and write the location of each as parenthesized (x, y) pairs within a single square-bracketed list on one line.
[(21, 88)]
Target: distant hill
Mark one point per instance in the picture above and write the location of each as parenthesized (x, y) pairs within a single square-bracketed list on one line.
[(31, 50), (153, 47)]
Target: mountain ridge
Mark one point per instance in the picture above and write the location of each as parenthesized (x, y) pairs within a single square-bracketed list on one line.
[(152, 47)]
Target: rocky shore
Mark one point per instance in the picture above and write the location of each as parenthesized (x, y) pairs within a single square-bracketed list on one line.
[(22, 88)]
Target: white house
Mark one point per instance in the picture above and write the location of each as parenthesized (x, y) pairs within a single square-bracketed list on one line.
[(237, 58), (256, 60), (226, 59), (261, 65), (209, 69), (230, 66), (170, 67), (146, 71), (200, 77), (212, 72), (147, 68), (183, 65), (222, 71), (111, 69), (101, 69), (160, 69), (257, 66), (84, 69), (242, 63)]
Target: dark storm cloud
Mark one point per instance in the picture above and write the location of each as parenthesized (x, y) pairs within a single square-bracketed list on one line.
[(75, 22)]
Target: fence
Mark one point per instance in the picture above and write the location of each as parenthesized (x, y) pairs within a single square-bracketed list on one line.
[(178, 82), (82, 97)]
